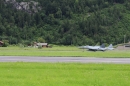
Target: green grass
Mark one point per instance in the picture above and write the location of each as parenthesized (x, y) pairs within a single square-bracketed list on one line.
[(60, 51), (63, 74)]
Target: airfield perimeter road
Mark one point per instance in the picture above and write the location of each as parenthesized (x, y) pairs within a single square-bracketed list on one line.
[(64, 59)]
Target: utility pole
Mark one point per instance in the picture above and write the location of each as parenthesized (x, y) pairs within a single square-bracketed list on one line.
[(124, 40)]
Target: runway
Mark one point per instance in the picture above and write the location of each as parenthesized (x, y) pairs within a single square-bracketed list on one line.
[(64, 59)]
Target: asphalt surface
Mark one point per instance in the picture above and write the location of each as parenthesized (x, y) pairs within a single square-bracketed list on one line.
[(64, 59)]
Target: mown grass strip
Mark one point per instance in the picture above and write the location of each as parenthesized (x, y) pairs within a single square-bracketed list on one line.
[(64, 74), (61, 51)]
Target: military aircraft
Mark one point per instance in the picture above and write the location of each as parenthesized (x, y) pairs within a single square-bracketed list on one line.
[(97, 48)]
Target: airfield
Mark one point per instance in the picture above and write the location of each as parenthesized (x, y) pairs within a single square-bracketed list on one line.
[(83, 55), (64, 51), (63, 66)]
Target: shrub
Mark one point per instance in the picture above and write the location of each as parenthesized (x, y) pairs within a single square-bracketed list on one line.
[(6, 43), (39, 46)]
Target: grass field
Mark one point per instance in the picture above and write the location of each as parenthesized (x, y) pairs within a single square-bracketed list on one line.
[(60, 51), (61, 74)]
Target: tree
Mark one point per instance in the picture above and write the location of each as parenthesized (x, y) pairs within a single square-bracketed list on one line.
[(41, 40)]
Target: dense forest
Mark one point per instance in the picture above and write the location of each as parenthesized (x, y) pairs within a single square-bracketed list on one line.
[(67, 22)]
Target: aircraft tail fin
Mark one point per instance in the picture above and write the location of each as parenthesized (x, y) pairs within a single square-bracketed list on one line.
[(102, 46), (110, 46)]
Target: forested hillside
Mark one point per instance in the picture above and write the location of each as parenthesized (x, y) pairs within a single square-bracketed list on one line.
[(67, 22)]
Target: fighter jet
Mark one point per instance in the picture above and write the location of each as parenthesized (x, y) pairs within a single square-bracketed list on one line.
[(97, 48), (101, 48)]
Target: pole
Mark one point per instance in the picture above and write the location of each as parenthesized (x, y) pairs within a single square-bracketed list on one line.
[(124, 41)]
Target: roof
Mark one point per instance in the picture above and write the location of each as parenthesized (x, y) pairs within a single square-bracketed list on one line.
[(42, 44), (1, 42)]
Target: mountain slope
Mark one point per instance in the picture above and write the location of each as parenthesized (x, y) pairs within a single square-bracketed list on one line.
[(67, 22)]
